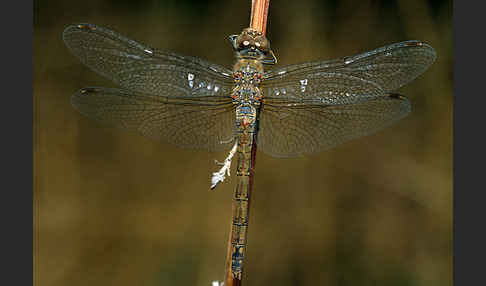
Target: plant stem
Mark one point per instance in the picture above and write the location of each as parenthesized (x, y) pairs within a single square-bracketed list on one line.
[(259, 14)]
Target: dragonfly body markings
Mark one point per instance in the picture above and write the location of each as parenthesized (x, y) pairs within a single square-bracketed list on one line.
[(251, 48), (291, 111)]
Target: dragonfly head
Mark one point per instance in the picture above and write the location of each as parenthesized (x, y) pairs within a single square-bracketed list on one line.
[(254, 45)]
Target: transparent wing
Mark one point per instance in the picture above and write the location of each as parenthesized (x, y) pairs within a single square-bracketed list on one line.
[(382, 70), (290, 131), (200, 123), (313, 106), (178, 99), (140, 68)]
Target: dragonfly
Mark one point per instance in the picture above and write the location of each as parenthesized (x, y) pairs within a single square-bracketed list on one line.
[(291, 111)]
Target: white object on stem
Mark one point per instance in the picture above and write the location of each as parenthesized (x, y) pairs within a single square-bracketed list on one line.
[(220, 175)]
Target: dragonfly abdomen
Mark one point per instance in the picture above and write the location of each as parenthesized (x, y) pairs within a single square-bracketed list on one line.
[(246, 126)]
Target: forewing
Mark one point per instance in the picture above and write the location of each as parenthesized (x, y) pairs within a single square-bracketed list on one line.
[(143, 69), (382, 71), (191, 123), (290, 131)]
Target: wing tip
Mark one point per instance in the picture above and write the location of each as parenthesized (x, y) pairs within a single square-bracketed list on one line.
[(80, 27), (82, 93), (397, 96), (406, 104), (76, 27), (418, 43)]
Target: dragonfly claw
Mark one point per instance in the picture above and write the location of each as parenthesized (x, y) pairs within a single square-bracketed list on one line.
[(220, 175)]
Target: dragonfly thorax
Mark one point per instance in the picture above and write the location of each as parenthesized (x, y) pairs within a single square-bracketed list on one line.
[(246, 95), (247, 76)]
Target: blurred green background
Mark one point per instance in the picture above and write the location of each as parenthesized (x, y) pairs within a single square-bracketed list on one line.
[(114, 208)]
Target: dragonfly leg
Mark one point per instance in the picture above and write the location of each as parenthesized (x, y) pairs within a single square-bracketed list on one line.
[(220, 175)]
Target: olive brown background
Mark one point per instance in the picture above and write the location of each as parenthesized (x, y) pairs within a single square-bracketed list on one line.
[(115, 208)]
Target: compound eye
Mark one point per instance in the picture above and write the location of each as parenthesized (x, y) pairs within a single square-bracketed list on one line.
[(244, 41), (262, 43)]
